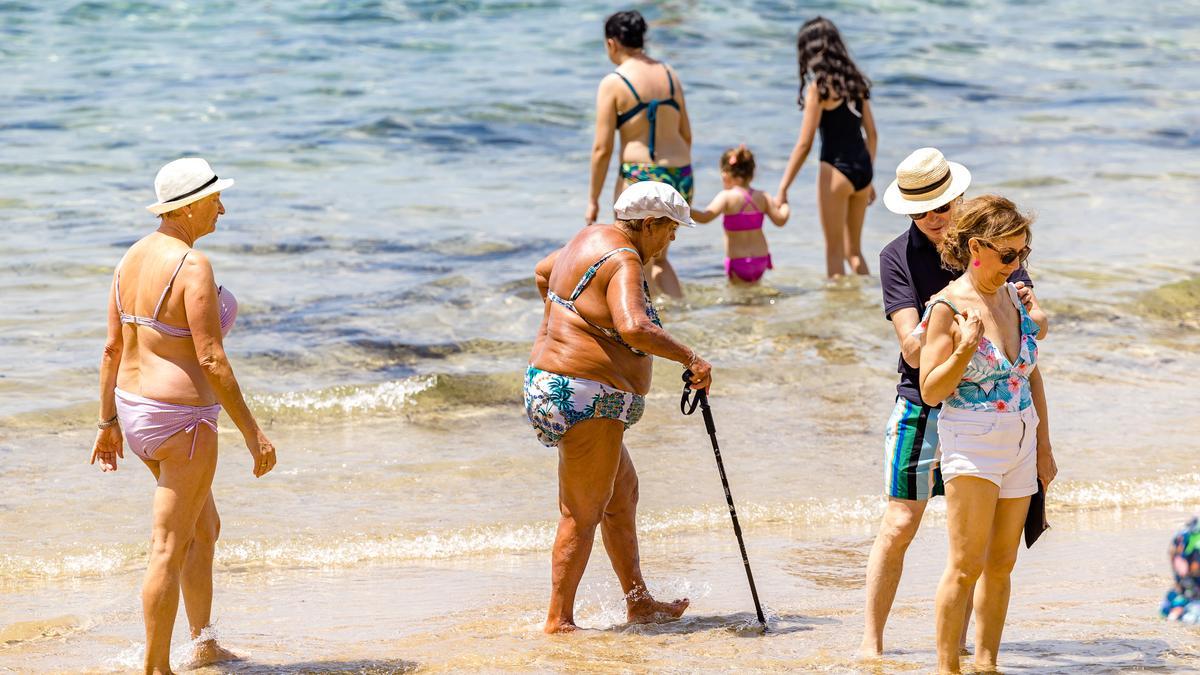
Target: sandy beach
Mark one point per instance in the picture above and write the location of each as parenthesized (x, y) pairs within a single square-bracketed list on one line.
[(397, 182)]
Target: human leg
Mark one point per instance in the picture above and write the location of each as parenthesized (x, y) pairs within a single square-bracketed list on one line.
[(995, 586), (833, 193), (619, 530), (885, 565), (183, 490), (196, 582), (661, 275), (969, 500), (589, 454), (856, 213)]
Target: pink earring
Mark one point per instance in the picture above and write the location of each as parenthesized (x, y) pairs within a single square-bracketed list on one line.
[(976, 263)]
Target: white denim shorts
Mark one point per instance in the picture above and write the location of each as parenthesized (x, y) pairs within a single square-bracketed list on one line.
[(997, 446)]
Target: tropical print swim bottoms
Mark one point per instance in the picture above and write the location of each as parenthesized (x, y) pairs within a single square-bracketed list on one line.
[(1183, 601), (678, 177), (555, 403)]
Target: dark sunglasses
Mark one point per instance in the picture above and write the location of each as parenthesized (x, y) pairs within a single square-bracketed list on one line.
[(1008, 255), (941, 209)]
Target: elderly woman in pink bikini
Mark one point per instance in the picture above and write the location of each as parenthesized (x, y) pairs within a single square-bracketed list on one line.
[(164, 378)]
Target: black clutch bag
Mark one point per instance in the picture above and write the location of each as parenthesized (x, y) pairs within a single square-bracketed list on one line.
[(1035, 520)]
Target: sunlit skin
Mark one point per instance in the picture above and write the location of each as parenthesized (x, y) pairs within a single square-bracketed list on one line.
[(191, 371), (983, 554), (673, 140), (598, 485), (842, 208), (902, 517), (731, 199)]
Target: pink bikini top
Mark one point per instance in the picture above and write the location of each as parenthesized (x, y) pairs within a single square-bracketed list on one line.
[(744, 220), (225, 299)]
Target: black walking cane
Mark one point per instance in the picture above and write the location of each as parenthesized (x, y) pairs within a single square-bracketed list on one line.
[(700, 397)]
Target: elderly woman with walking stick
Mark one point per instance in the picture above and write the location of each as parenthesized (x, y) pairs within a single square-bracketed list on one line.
[(586, 384)]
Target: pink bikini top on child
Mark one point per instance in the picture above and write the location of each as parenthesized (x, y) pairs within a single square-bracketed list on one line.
[(749, 218)]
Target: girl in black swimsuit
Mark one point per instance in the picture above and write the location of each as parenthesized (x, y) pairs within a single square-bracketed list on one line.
[(837, 104)]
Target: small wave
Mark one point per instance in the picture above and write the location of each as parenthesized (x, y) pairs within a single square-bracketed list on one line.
[(453, 136), (343, 399), (1033, 182), (515, 539), (440, 393), (41, 629), (1178, 302)]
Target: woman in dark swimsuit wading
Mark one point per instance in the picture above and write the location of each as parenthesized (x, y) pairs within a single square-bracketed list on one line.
[(838, 105)]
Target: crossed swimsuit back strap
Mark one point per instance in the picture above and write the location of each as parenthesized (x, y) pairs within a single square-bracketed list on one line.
[(748, 218), (651, 107), (748, 195), (152, 320), (569, 303)]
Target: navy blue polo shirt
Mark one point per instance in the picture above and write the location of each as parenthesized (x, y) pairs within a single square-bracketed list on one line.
[(910, 271)]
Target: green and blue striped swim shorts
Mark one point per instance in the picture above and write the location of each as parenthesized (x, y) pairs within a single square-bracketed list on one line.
[(910, 458)]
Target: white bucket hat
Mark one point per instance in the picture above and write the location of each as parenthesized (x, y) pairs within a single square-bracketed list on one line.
[(184, 181), (925, 181), (649, 199)]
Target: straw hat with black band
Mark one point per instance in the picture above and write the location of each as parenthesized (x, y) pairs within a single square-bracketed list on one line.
[(184, 181), (925, 181)]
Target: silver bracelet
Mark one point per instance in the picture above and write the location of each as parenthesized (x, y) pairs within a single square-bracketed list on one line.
[(110, 422)]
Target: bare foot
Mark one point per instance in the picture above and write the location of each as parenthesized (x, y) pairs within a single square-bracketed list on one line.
[(556, 626), (653, 611), (869, 652), (207, 653)]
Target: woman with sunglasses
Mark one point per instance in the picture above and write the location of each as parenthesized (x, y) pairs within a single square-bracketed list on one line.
[(928, 189), (979, 358)]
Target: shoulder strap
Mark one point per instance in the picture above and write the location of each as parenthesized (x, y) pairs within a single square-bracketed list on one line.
[(943, 301), (169, 283), (1012, 295), (591, 272), (630, 85), (117, 293), (670, 81)]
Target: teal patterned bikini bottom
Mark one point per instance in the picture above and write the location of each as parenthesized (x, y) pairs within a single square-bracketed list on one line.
[(678, 177), (555, 403)]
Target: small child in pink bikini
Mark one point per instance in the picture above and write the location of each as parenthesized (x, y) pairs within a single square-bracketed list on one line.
[(746, 253)]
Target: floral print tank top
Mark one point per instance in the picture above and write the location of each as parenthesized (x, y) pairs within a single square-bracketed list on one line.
[(991, 383)]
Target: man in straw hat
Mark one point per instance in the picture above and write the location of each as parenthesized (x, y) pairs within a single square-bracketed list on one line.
[(927, 189)]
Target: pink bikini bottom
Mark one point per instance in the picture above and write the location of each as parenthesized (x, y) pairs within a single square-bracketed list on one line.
[(148, 423), (748, 269)]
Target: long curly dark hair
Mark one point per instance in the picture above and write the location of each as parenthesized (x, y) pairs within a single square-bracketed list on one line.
[(820, 51)]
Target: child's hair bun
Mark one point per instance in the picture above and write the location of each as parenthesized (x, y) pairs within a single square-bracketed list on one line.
[(738, 162)]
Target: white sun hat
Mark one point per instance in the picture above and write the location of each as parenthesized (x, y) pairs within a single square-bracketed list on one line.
[(649, 199), (925, 181), (184, 181)]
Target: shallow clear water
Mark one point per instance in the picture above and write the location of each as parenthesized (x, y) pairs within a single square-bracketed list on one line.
[(402, 165)]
